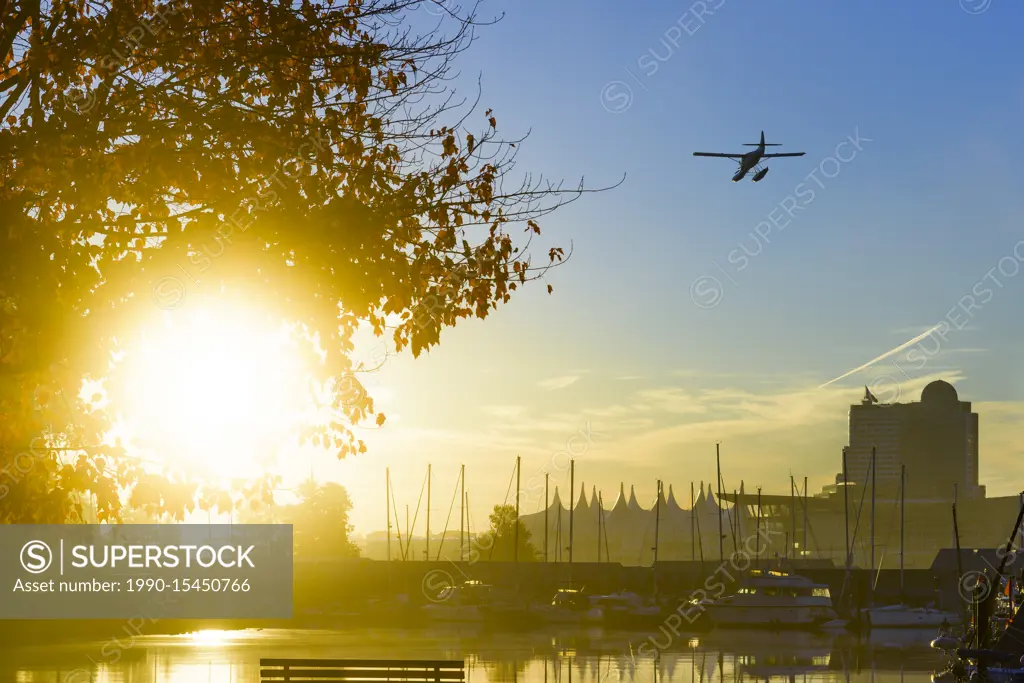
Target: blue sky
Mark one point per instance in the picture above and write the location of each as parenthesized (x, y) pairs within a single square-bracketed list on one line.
[(886, 249)]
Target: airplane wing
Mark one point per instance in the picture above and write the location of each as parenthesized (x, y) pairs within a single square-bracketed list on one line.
[(786, 154), (715, 154)]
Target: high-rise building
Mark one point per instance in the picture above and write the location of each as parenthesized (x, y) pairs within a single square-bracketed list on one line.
[(936, 438)]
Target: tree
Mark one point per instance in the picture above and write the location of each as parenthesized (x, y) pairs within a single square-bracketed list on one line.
[(320, 521), (307, 155), (501, 537)]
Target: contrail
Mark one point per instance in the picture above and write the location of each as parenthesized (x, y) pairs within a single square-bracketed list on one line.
[(883, 356)]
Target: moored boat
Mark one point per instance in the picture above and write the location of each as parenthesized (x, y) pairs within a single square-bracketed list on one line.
[(569, 606), (465, 603), (627, 610), (902, 616), (773, 599)]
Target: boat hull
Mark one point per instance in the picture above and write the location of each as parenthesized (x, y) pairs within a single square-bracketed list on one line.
[(909, 618), (454, 613), (557, 615), (796, 616)]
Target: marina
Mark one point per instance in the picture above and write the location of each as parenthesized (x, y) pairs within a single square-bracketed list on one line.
[(548, 655)]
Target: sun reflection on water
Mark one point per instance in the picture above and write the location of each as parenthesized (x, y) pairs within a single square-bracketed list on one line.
[(212, 637)]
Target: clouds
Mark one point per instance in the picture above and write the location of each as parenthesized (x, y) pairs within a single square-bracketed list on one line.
[(669, 400), (558, 382)]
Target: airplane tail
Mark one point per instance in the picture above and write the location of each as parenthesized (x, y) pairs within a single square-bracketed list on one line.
[(762, 143)]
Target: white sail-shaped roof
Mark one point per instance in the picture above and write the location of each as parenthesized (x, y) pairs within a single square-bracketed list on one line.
[(633, 505), (582, 505), (620, 501), (671, 503), (556, 501), (660, 501)]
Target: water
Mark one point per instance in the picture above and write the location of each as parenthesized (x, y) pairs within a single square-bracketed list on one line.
[(555, 656)]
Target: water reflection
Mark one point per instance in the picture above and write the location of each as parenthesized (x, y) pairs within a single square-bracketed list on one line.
[(568, 656)]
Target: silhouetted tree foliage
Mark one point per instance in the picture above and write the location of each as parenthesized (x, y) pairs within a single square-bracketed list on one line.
[(501, 537), (310, 156), (320, 520)]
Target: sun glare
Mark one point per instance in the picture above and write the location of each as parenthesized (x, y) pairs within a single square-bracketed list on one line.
[(217, 390)]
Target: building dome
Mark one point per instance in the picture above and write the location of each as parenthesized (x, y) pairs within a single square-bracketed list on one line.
[(939, 393)]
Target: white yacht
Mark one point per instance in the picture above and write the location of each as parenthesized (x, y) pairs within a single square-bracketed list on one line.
[(773, 599)]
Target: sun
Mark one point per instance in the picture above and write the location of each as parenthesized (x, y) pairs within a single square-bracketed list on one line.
[(218, 391)]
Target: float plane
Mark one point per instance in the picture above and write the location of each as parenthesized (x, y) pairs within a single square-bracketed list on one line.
[(751, 160)]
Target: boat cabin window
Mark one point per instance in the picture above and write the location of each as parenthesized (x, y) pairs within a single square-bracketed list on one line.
[(747, 591), (821, 593)]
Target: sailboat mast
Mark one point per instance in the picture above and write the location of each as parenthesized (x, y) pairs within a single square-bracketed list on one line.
[(558, 530), (387, 505), (428, 513), (572, 492), (792, 511), (846, 516), (518, 464), (954, 499), (546, 505), (803, 548), (700, 538), (693, 521), (604, 528), (903, 520), (737, 511), (469, 527), (873, 476), (757, 545), (599, 506), (721, 536), (462, 514), (657, 520)]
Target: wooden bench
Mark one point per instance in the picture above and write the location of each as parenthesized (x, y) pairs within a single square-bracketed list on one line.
[(369, 670)]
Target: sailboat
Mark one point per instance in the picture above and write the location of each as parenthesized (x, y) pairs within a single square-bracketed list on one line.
[(901, 615)]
